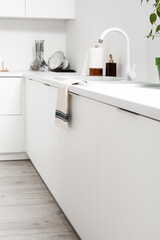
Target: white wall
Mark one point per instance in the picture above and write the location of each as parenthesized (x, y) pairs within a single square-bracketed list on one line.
[(93, 17), (17, 40)]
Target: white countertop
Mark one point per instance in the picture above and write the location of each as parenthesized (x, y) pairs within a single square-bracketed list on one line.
[(138, 97), (11, 74), (48, 77)]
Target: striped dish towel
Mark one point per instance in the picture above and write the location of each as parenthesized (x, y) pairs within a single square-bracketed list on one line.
[(61, 114)]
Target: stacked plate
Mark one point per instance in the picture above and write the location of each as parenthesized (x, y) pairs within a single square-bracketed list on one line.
[(58, 61)]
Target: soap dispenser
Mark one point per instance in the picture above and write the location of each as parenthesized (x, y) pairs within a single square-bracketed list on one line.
[(111, 67)]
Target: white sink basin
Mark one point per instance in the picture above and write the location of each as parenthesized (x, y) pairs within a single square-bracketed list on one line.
[(106, 83), (88, 78), (109, 83)]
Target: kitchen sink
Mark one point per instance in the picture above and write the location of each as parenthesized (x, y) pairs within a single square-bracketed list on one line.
[(106, 82), (94, 79)]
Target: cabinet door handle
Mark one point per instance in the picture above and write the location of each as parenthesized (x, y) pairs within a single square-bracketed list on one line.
[(128, 111), (73, 94), (46, 84)]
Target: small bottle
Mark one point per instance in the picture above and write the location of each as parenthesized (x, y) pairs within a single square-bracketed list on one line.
[(111, 67)]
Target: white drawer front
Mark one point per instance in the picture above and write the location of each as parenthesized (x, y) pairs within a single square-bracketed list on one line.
[(11, 134), (12, 8), (10, 96), (50, 8)]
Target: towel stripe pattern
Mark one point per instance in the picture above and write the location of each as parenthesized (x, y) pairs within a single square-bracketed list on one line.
[(61, 115)]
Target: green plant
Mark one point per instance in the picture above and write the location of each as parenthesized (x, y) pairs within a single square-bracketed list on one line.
[(155, 32)]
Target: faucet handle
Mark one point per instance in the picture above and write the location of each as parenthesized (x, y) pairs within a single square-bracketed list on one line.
[(132, 73)]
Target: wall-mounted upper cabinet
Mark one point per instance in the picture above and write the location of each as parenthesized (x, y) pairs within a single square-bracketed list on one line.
[(64, 9), (12, 8), (38, 9)]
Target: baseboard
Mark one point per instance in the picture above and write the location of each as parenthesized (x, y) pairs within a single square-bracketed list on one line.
[(13, 156)]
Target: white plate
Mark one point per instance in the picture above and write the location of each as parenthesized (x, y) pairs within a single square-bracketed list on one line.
[(65, 64), (56, 60), (58, 55)]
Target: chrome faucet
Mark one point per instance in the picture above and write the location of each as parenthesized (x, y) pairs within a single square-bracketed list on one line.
[(129, 74)]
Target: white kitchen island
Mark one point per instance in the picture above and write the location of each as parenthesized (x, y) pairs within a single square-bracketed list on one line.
[(103, 171)]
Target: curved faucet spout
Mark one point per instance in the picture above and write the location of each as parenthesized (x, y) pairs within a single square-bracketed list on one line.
[(128, 66)]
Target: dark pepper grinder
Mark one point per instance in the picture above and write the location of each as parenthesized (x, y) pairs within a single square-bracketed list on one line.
[(111, 68)]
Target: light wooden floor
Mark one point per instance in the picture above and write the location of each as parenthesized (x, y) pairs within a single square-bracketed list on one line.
[(27, 209)]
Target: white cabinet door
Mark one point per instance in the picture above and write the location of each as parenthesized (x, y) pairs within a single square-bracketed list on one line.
[(49, 138), (12, 134), (10, 96), (50, 8), (42, 136), (129, 176), (32, 120), (12, 8), (79, 167), (12, 123)]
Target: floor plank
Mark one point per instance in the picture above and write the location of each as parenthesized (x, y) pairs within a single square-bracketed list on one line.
[(18, 170), (23, 188), (27, 209), (28, 198), (11, 227), (19, 180), (46, 236), (31, 211)]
